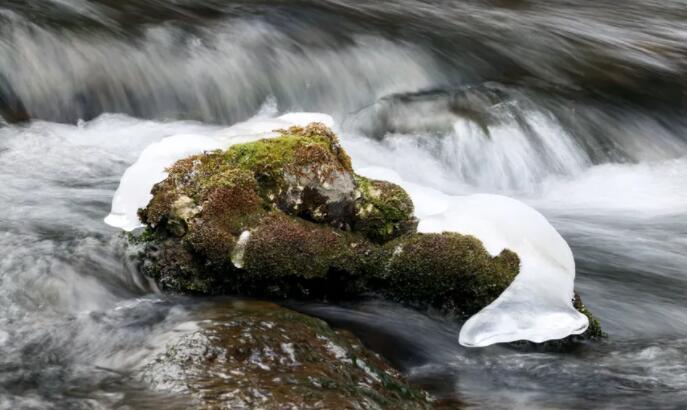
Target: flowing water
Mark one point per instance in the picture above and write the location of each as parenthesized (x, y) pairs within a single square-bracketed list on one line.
[(575, 107)]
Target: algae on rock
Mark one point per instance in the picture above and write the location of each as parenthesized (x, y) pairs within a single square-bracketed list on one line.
[(249, 354)]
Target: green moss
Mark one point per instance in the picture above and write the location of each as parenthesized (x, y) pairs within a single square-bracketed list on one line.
[(285, 166), (290, 257), (594, 330), (212, 244), (230, 202), (230, 178), (261, 165), (296, 147), (448, 271), (384, 211), (141, 237)]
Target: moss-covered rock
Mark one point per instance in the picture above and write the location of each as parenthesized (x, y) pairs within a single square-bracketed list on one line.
[(288, 217), (258, 355), (291, 257), (304, 173), (383, 211), (174, 268), (594, 330)]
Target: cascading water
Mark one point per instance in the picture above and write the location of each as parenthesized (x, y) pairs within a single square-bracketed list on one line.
[(573, 107)]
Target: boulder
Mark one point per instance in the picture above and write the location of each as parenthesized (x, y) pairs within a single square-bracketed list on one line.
[(288, 218), (257, 355)]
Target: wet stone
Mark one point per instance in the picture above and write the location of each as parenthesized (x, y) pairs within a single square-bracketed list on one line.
[(250, 355)]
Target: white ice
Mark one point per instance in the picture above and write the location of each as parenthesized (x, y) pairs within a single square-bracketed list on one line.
[(537, 306)]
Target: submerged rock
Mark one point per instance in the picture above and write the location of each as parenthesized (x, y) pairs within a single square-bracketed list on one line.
[(12, 109), (288, 217), (249, 355)]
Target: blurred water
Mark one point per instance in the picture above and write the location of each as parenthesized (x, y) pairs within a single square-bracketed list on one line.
[(575, 107)]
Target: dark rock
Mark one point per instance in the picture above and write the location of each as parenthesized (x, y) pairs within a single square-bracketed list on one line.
[(248, 355), (12, 109), (288, 217)]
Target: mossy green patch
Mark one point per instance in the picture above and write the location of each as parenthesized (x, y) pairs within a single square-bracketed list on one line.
[(288, 257), (384, 211), (594, 330), (448, 271), (294, 151)]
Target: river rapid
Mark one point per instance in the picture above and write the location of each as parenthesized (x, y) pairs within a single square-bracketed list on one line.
[(576, 108)]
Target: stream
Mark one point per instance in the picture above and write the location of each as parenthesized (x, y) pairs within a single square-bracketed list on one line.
[(575, 107)]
